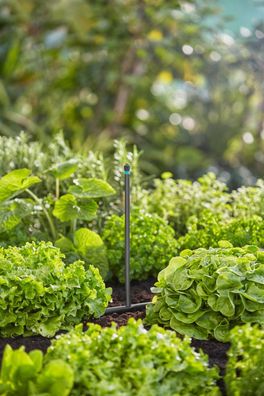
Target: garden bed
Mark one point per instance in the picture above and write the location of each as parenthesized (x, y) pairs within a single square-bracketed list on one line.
[(140, 292)]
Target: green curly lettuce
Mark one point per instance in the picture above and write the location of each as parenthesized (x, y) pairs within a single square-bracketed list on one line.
[(210, 228), (131, 361), (39, 294), (245, 366), (152, 244)]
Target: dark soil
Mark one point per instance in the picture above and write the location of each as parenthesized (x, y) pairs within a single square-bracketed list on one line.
[(217, 353), (30, 343), (140, 292)]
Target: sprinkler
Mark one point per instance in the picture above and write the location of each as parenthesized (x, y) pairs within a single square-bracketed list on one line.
[(128, 306)]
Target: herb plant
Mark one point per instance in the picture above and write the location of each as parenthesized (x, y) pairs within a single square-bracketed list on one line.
[(178, 200), (78, 205), (40, 295), (133, 361), (245, 231), (207, 230), (245, 366), (204, 293), (248, 201), (152, 244)]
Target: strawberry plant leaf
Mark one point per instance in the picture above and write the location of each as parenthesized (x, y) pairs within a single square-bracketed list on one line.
[(91, 188), (16, 182), (67, 208), (12, 213), (88, 246), (65, 169)]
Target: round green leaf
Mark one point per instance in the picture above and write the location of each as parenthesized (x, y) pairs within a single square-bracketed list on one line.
[(16, 182), (67, 208), (91, 188), (64, 170)]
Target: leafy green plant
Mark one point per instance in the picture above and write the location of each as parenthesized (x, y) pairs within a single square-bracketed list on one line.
[(39, 294), (245, 231), (21, 152), (77, 205), (204, 293), (203, 230), (152, 244), (207, 230), (23, 374), (132, 361), (178, 200), (248, 201), (245, 366), (88, 246)]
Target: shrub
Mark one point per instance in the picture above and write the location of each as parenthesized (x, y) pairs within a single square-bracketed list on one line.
[(40, 295), (245, 367), (205, 293), (132, 361), (152, 243)]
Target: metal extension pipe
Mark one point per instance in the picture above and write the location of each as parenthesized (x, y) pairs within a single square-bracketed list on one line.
[(127, 234), (128, 307), (124, 308)]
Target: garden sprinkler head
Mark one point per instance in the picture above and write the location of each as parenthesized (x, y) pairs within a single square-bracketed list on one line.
[(127, 169)]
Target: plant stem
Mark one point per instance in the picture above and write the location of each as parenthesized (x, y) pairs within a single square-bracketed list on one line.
[(73, 225), (51, 224), (57, 188)]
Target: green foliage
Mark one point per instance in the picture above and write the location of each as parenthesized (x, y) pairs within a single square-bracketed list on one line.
[(48, 160), (245, 231), (67, 208), (179, 200), (40, 295), (245, 366), (249, 201), (207, 230), (23, 374), (152, 244), (91, 188), (83, 69), (12, 213), (203, 212), (64, 170), (132, 361), (16, 182), (87, 246), (205, 293), (71, 207), (20, 152)]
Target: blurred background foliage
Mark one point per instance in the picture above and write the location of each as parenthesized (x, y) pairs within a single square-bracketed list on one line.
[(166, 75)]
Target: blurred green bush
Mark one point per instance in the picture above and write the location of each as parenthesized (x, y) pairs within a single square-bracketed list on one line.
[(183, 90)]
